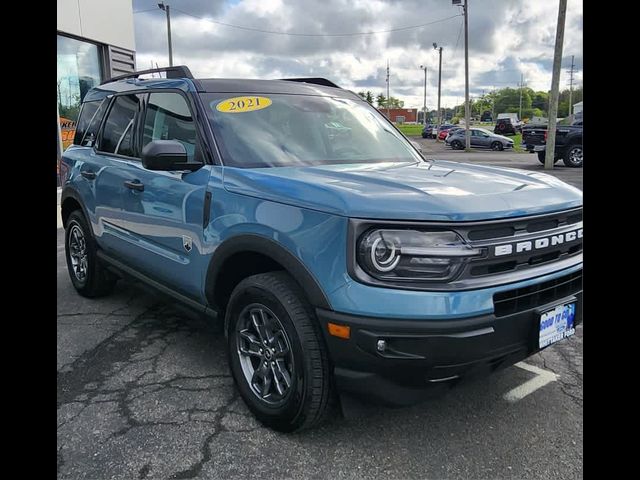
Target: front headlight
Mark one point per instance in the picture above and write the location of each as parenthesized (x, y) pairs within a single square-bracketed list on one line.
[(412, 255)]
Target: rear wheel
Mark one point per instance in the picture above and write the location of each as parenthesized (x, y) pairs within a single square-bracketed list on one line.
[(88, 275), (277, 354), (497, 146), (573, 156)]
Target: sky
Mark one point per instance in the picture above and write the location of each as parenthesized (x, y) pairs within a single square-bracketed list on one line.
[(323, 38)]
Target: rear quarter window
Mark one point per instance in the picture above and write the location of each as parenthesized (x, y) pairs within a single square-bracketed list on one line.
[(88, 123)]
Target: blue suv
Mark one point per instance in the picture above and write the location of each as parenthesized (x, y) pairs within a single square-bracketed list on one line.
[(341, 262)]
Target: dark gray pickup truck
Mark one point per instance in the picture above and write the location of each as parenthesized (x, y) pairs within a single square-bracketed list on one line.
[(568, 142)]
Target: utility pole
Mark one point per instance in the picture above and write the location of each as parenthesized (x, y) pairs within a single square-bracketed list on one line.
[(435, 46), (467, 120), (166, 8), (555, 88), (388, 98), (424, 104), (571, 86), (520, 107)]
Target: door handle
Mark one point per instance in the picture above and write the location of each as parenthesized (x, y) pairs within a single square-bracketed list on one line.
[(88, 174), (134, 185)]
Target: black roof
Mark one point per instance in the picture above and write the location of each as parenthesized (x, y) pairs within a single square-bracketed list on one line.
[(180, 76), (293, 86)]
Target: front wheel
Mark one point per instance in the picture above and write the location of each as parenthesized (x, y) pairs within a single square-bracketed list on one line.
[(456, 145), (497, 146), (277, 355), (573, 156)]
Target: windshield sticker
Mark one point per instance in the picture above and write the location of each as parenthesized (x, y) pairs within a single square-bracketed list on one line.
[(243, 104)]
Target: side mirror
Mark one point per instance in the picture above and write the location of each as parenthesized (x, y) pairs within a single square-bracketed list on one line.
[(417, 146), (167, 156)]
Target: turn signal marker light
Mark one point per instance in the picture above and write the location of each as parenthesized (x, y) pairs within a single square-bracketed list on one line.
[(340, 331)]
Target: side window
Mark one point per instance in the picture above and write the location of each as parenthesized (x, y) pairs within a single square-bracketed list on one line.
[(89, 122), (117, 135), (168, 118)]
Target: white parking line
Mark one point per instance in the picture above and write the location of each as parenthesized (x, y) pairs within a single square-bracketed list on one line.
[(542, 378)]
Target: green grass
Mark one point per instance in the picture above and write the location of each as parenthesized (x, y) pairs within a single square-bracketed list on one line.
[(517, 143), (409, 129)]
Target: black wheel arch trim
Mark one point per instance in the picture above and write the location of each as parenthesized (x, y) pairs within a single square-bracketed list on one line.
[(70, 192), (265, 246)]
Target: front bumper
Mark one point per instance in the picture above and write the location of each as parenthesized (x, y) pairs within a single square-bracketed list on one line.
[(423, 356)]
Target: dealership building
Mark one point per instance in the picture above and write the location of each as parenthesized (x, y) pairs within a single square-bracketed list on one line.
[(95, 42)]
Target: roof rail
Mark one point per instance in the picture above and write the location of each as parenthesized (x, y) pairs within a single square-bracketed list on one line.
[(316, 81), (180, 71)]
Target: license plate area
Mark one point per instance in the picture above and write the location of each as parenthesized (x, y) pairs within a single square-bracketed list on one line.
[(557, 323)]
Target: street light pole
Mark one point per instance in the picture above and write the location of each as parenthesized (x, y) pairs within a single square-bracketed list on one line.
[(435, 46), (466, 77), (424, 104), (167, 10)]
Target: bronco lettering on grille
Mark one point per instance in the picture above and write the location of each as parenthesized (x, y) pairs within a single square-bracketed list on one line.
[(538, 243)]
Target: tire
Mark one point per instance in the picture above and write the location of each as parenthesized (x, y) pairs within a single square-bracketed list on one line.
[(497, 146), (294, 338), (456, 145), (424, 135), (88, 275), (573, 156)]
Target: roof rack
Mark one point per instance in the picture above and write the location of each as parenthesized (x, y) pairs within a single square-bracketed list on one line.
[(180, 71), (316, 81)]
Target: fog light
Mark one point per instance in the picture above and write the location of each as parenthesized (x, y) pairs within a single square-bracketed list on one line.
[(381, 345)]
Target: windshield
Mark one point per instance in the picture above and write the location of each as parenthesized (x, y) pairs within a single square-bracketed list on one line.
[(269, 130)]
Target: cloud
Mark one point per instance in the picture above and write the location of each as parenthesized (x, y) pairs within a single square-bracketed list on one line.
[(506, 39)]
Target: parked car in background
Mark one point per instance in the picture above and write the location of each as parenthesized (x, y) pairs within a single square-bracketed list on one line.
[(568, 142), (429, 131), (452, 130), (507, 126), (480, 138), (486, 117)]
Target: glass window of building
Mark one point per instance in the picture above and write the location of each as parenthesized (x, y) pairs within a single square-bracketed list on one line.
[(78, 71)]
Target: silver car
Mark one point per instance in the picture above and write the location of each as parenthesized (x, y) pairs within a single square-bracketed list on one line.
[(480, 138)]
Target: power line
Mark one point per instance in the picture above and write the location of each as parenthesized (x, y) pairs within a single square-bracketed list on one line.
[(147, 10), (297, 34)]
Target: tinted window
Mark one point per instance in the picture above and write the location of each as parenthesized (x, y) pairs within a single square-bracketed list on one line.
[(117, 136), (168, 118), (294, 130), (89, 122)]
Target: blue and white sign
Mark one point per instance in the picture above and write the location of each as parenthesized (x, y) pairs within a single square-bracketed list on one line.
[(557, 324)]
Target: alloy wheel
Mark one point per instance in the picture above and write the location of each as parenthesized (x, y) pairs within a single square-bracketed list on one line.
[(78, 253), (265, 355)]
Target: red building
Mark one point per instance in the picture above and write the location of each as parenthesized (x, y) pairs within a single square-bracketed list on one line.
[(400, 115)]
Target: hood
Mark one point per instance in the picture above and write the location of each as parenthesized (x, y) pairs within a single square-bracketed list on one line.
[(434, 190)]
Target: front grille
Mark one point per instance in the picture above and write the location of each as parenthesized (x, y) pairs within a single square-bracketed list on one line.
[(526, 229), (526, 298)]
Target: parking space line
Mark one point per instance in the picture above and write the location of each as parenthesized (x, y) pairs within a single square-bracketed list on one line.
[(542, 378)]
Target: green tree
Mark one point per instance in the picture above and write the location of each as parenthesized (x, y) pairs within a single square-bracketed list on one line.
[(381, 100), (362, 95), (369, 97)]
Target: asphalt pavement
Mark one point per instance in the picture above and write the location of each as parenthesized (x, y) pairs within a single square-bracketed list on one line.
[(144, 391)]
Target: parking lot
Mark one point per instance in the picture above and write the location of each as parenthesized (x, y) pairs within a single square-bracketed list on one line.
[(144, 391)]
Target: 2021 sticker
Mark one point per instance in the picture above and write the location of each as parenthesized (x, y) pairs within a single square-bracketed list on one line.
[(243, 104)]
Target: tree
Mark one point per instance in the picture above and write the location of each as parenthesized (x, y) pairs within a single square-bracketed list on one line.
[(369, 97), (381, 100), (362, 95)]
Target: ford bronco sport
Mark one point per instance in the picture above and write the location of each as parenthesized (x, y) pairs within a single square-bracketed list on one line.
[(340, 260)]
